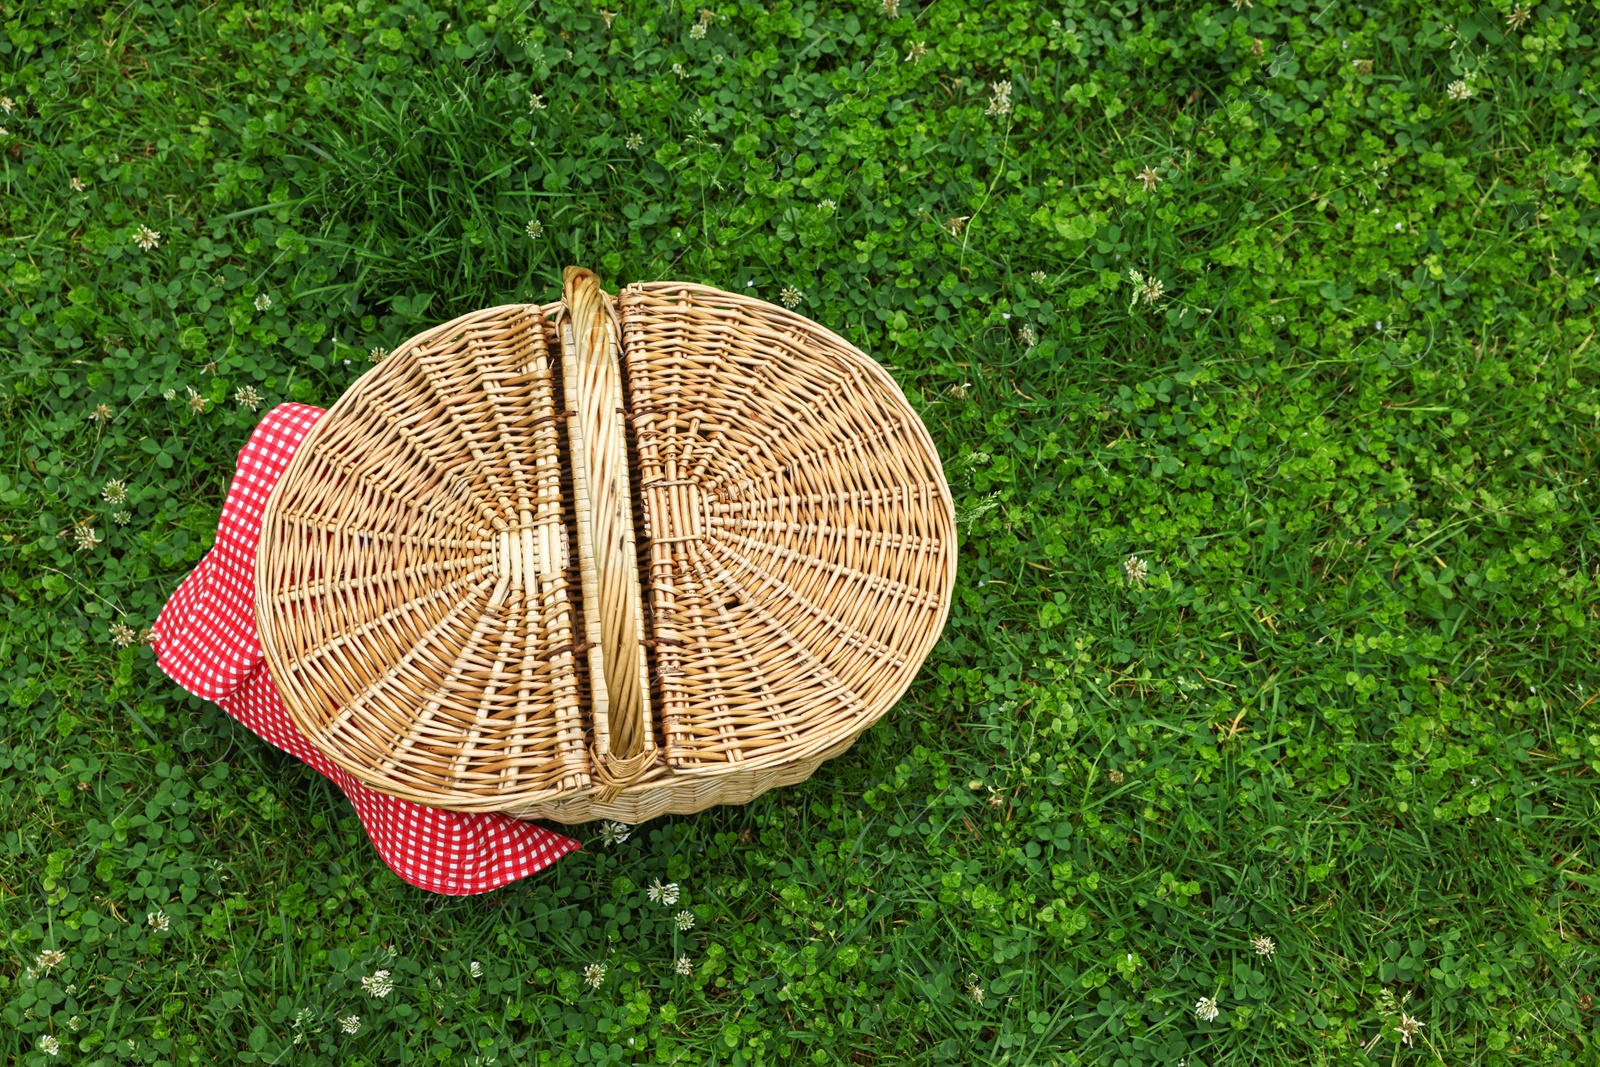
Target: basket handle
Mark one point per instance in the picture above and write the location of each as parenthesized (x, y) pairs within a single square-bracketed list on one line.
[(622, 749)]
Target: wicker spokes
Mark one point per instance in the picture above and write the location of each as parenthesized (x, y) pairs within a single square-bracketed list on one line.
[(411, 587), (800, 531), (606, 558)]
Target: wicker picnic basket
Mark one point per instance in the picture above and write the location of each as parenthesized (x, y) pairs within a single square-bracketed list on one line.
[(464, 601)]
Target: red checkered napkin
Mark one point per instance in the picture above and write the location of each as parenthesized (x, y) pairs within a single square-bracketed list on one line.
[(205, 640)]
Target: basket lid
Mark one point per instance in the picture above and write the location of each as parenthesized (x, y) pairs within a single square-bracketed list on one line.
[(800, 532), (540, 553)]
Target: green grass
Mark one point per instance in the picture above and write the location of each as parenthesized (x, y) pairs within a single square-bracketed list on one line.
[(1351, 706)]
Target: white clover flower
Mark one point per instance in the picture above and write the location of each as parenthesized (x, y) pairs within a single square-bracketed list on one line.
[(115, 491), (974, 990), (158, 920), (1026, 335), (534, 228), (1460, 90), (1205, 1009), (1263, 946), (536, 102), (594, 974), (77, 184), (918, 50), (664, 894), (685, 966), (122, 518), (146, 238), (609, 16), (1039, 277), (1148, 178), (378, 984), (633, 142), (891, 8), (1135, 568), (828, 205), (791, 297), (101, 413), (122, 635), (247, 397), (350, 1023), (677, 68), (75, 1023), (49, 1045), (49, 960), (1407, 1028), (170, 394), (85, 537), (197, 403), (1515, 18), (475, 969), (685, 920), (263, 302), (697, 31), (7, 104), (1000, 98), (377, 353), (614, 833)]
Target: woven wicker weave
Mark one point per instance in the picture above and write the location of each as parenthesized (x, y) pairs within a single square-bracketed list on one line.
[(607, 558)]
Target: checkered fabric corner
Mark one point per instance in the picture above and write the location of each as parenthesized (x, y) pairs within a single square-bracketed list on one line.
[(206, 641)]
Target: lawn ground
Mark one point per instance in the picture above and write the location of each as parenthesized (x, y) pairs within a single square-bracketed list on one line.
[(1259, 343)]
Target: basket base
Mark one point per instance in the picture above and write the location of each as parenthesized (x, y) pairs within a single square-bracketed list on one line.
[(681, 794)]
